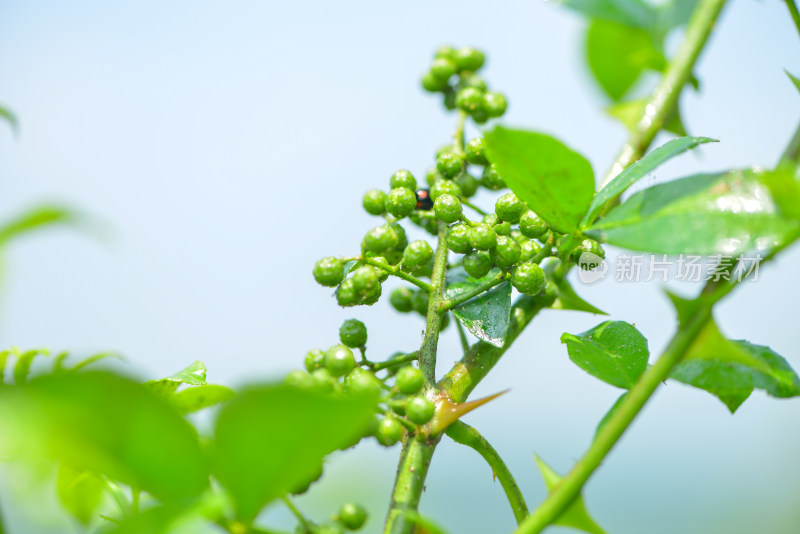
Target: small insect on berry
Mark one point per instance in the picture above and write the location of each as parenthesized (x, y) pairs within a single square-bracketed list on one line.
[(424, 201)]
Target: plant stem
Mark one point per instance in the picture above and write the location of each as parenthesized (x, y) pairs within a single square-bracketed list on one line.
[(297, 513), (427, 353), (475, 208), (411, 472), (398, 273), (402, 360), (466, 435), (665, 97), (792, 153), (449, 304), (795, 14)]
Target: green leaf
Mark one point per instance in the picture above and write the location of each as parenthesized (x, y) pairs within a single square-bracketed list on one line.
[(724, 213), (618, 55), (35, 219), (194, 374), (22, 367), (673, 13), (784, 185), (794, 79), (631, 112), (610, 413), (80, 492), (613, 351), (105, 424), (200, 397), (639, 170), (555, 181), (487, 316), (7, 115), (569, 300), (633, 13), (269, 439), (575, 516), (94, 359), (154, 520)]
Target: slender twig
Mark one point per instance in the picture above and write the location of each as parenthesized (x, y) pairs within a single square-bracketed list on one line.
[(304, 523), (466, 435), (400, 360), (664, 99), (398, 273), (462, 336), (473, 207), (795, 14), (449, 304)]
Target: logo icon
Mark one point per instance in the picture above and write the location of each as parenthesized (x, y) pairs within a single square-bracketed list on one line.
[(593, 268)]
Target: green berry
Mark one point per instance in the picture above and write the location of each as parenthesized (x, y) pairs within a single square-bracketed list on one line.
[(353, 333), (450, 164), (446, 149), (323, 381), (458, 238), (417, 254), (443, 68), (420, 302), (506, 253), (401, 201), (445, 51), (548, 295), (299, 379), (473, 80), (365, 280), (448, 208), (372, 297), (381, 238), (494, 103), (510, 208), (479, 116), (420, 410), (470, 99), (503, 228), (432, 176), (403, 178), (382, 275), (315, 359), (528, 278), (445, 187), (491, 219), (409, 380), (362, 382), (374, 202), (532, 226), (483, 237), (346, 294), (587, 246), (468, 184), (329, 271), (468, 58), (352, 516), (433, 84), (529, 248), (401, 298), (339, 360), (449, 98), (475, 152), (477, 263), (492, 180), (390, 431)]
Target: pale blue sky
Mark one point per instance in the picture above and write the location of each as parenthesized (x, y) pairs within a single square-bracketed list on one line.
[(227, 145)]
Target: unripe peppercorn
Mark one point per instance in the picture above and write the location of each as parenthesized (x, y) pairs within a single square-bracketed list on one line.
[(365, 279), (389, 432), (374, 202), (503, 228), (470, 99), (482, 237), (323, 381), (381, 238), (458, 238), (445, 187), (401, 298), (362, 382), (468, 58), (352, 516), (448, 208), (510, 208), (492, 180), (372, 297), (477, 263), (299, 379), (432, 176), (382, 275), (506, 253), (587, 246), (531, 225), (443, 68), (469, 184), (475, 152), (449, 164), (329, 271), (401, 201), (420, 410), (472, 80), (409, 380), (528, 278), (433, 84), (403, 178), (315, 359), (445, 51), (491, 219), (417, 254), (529, 248), (420, 302), (339, 360), (346, 294), (494, 103), (353, 333)]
